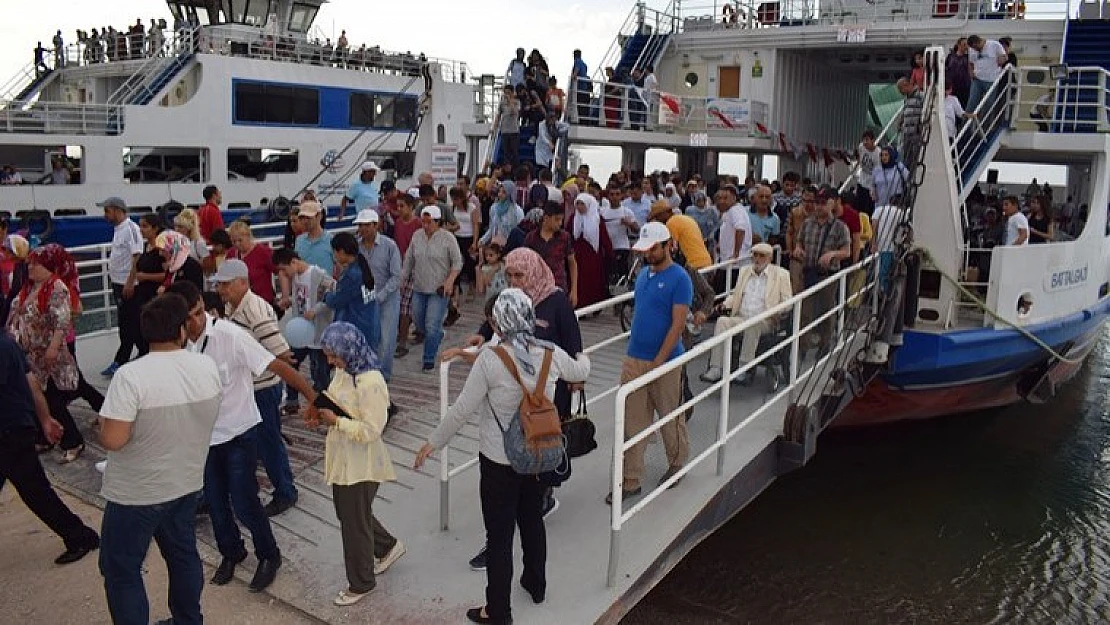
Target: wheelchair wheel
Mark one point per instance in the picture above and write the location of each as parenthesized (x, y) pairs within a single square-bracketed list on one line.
[(624, 312)]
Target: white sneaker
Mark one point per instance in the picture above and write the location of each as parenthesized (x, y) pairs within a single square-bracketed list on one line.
[(394, 555), (100, 466), (712, 375)]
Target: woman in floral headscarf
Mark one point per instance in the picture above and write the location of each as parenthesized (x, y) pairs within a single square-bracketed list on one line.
[(356, 460), (176, 250), (509, 499), (39, 321)]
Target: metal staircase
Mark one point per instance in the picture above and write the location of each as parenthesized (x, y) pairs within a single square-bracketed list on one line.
[(1077, 94), (979, 139), (157, 71), (24, 85)]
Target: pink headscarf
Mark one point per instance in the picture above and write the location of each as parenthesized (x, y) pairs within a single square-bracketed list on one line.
[(178, 246), (539, 282)]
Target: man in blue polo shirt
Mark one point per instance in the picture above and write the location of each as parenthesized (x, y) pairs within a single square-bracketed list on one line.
[(363, 193), (663, 296)]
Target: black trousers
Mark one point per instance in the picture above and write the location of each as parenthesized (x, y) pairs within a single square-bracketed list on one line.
[(19, 464), (511, 500), (129, 335), (85, 391)]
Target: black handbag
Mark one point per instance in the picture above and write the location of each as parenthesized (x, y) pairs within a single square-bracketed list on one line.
[(579, 433)]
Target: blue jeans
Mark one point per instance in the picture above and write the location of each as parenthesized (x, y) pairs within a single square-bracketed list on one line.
[(318, 369), (271, 447), (979, 88), (428, 312), (230, 486), (389, 312), (126, 533)]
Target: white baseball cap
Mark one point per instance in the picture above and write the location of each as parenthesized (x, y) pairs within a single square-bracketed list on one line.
[(431, 211), (369, 165), (367, 216), (651, 233)]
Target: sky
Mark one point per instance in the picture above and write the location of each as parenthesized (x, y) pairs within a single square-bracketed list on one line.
[(474, 31)]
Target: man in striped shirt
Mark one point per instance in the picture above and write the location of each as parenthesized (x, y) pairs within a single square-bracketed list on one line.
[(255, 315)]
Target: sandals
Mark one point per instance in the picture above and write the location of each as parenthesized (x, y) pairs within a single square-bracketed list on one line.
[(346, 597), (69, 455)]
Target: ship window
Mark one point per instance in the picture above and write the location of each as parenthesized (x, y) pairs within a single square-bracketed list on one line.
[(263, 103), (393, 112), (691, 80), (165, 164), (301, 17), (362, 110), (34, 164), (257, 13), (244, 164)]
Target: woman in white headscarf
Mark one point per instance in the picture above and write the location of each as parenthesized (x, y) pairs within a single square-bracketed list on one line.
[(508, 498), (592, 249)]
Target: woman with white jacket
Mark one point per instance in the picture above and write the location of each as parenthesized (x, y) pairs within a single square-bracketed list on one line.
[(508, 498)]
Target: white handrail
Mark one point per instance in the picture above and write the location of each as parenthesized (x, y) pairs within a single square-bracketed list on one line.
[(878, 140), (724, 340), (447, 473)]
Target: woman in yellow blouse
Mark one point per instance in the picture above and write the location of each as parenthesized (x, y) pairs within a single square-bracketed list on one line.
[(356, 460)]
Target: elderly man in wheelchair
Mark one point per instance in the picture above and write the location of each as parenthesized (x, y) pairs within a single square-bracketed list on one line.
[(761, 285)]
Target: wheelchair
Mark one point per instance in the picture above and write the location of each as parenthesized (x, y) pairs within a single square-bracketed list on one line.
[(777, 367)]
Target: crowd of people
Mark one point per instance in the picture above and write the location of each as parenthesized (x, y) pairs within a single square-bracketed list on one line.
[(214, 328)]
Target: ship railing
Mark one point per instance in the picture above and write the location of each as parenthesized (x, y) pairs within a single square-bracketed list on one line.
[(641, 19), (229, 41), (62, 118), (175, 45), (751, 14), (450, 467), (1062, 99), (848, 296), (97, 308), (887, 136), (627, 107)]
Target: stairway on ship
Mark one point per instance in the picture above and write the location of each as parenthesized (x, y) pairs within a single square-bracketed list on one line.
[(1085, 45)]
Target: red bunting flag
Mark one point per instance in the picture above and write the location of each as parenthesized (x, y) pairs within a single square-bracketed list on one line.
[(842, 155), (761, 128), (671, 102), (782, 142), (812, 151), (827, 157)]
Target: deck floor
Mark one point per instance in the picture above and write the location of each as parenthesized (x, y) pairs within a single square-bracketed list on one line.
[(433, 583)]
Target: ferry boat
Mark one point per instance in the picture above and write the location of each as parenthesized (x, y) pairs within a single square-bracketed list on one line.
[(243, 98), (769, 77)]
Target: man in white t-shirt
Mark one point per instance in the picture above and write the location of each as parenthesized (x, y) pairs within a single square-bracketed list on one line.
[(987, 57), (1017, 226), (229, 480), (620, 221), (735, 234), (156, 423), (127, 245)]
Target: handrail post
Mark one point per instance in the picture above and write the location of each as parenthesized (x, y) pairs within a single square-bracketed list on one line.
[(106, 286), (722, 418), (842, 286), (796, 343), (444, 465), (617, 488)]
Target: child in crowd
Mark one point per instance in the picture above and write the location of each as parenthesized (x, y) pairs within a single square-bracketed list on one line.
[(491, 276)]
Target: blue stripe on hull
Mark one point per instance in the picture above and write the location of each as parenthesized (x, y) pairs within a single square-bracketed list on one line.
[(964, 356)]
